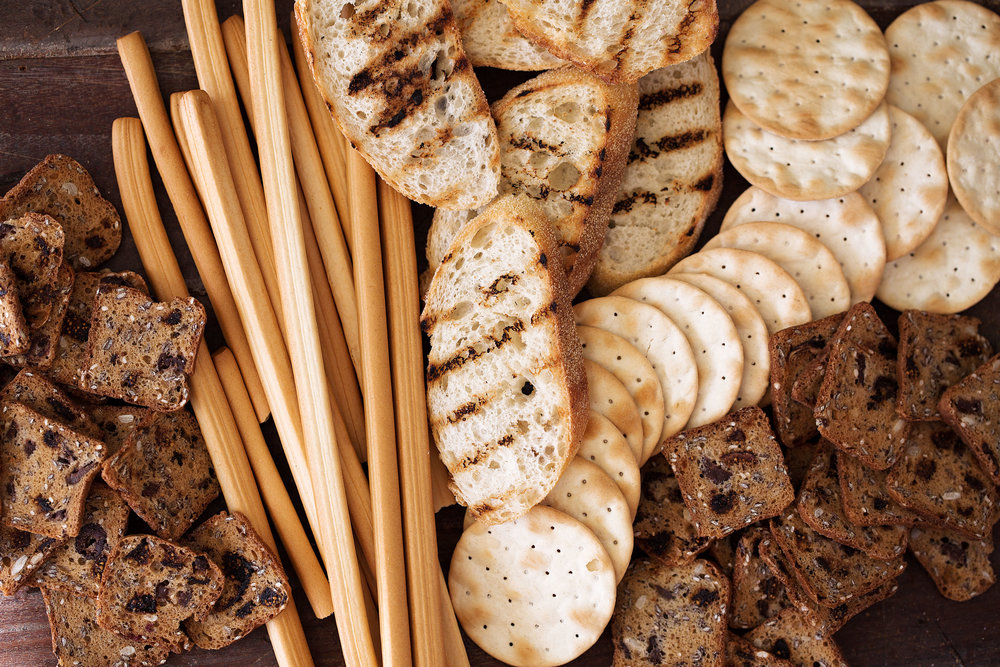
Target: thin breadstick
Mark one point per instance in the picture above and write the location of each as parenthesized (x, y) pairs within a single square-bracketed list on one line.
[(146, 93), (455, 652), (274, 145), (276, 499), (207, 398)]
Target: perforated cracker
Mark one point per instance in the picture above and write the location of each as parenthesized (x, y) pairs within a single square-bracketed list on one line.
[(610, 399), (973, 147), (604, 446)]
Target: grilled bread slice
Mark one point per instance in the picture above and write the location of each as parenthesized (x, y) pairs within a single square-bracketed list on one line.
[(491, 40), (396, 78), (615, 39), (506, 386), (673, 177)]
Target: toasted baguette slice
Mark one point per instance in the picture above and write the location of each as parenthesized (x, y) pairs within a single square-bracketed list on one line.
[(618, 40), (396, 78), (491, 40), (673, 177), (506, 388)]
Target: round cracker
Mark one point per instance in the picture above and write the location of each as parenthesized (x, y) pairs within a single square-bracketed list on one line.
[(806, 70), (910, 187), (806, 170), (634, 371), (538, 590), (657, 337), (750, 328), (941, 52), (808, 261), (711, 333), (974, 156), (610, 399), (769, 287), (604, 446), (953, 269), (846, 225)]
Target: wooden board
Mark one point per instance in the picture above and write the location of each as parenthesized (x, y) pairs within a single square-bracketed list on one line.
[(61, 86)]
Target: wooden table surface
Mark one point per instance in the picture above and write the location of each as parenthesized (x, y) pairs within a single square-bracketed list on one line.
[(62, 85)]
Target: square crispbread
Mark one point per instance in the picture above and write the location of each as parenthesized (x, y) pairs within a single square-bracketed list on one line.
[(23, 553), (792, 350), (856, 406), (46, 473), (45, 398), (866, 499), (935, 352), (741, 653), (829, 572), (972, 408), (60, 187), (164, 473), (117, 423), (140, 350), (805, 388), (76, 566), (959, 566), (798, 459), (731, 473), (798, 637), (79, 641), (44, 343), (15, 337), (255, 590), (663, 525), (758, 593), (973, 145), (150, 586), (819, 505), (938, 477), (33, 244), (670, 615), (806, 170), (723, 552)]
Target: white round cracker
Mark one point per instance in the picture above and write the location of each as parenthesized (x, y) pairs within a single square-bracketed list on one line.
[(711, 333), (634, 371), (910, 187), (808, 261), (752, 332), (589, 495), (974, 156), (604, 446), (806, 170), (768, 286), (657, 337), (941, 52), (610, 399), (806, 70), (846, 225), (953, 269), (538, 590)]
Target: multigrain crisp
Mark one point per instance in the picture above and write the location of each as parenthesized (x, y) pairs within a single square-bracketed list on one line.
[(972, 408)]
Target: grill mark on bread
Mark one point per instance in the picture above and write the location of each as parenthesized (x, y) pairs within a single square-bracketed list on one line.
[(663, 97), (468, 409), (530, 143), (481, 451), (435, 371), (680, 38), (643, 151)]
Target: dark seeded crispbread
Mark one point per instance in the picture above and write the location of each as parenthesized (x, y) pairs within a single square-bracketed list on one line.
[(731, 473), (255, 590), (46, 473), (865, 498), (67, 366), (796, 636), (819, 506), (935, 352), (670, 615), (939, 478), (45, 339), (76, 566), (723, 552), (791, 351), (856, 407), (60, 187), (78, 641), (116, 423), (959, 566), (22, 554), (47, 399), (142, 351), (798, 459), (33, 245), (741, 653), (662, 527), (758, 593), (15, 337), (829, 572), (150, 586), (805, 389), (972, 408), (164, 473)]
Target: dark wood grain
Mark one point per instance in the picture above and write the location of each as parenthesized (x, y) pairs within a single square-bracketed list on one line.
[(61, 86)]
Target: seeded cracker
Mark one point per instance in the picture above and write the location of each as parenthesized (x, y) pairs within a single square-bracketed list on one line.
[(33, 244), (731, 473), (798, 460), (14, 335), (741, 653), (116, 423), (723, 551), (23, 553), (794, 635), (47, 399), (663, 526), (959, 566), (805, 388), (865, 498), (41, 351), (758, 594), (972, 408)]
